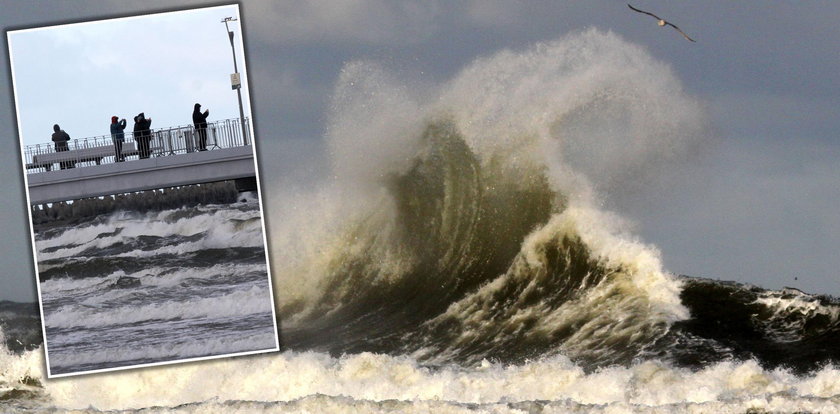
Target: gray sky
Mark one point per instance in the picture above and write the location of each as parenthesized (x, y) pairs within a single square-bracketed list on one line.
[(757, 203)]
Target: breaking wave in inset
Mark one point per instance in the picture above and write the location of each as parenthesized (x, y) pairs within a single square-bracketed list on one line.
[(135, 288)]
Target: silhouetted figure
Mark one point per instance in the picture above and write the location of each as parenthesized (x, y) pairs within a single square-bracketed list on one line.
[(61, 138), (142, 134), (200, 123), (118, 136)]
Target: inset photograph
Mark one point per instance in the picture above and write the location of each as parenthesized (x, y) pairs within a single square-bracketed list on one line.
[(147, 222)]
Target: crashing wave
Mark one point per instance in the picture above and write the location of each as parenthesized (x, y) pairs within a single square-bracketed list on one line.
[(467, 225)]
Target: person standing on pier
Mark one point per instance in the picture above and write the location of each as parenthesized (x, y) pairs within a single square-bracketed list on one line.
[(61, 138), (200, 123), (142, 134), (118, 136)]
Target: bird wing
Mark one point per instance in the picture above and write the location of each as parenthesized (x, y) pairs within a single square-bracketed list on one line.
[(643, 12), (681, 32)]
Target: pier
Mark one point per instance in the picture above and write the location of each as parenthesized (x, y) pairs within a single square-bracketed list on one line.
[(176, 159)]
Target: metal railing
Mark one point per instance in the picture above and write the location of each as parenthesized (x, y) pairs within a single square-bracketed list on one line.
[(85, 152)]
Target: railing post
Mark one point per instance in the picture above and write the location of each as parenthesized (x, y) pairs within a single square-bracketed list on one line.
[(225, 133)]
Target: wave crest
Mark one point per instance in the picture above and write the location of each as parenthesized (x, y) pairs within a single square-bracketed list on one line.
[(482, 194)]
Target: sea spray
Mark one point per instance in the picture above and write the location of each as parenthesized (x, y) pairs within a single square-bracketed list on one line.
[(440, 191), (20, 372), (600, 110)]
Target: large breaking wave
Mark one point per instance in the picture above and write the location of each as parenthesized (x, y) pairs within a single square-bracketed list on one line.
[(466, 221)]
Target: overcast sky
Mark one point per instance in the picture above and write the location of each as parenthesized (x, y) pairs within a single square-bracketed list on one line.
[(79, 75), (756, 203)]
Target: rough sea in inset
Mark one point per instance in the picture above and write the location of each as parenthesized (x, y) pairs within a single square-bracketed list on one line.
[(459, 260), (198, 287)]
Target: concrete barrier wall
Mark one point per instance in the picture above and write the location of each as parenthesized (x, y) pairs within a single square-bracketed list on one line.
[(138, 175)]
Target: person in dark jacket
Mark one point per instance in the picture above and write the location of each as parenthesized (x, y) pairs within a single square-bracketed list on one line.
[(61, 138), (142, 134), (200, 123), (118, 136), (138, 126)]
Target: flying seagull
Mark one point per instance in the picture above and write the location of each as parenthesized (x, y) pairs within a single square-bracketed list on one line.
[(662, 22)]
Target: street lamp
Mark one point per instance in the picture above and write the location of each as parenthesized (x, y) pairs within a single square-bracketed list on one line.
[(235, 82)]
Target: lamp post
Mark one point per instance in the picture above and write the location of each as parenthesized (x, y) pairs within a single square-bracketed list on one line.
[(235, 80)]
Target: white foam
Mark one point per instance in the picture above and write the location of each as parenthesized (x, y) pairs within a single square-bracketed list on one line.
[(221, 225), (61, 287), (632, 305), (295, 382), (15, 368), (605, 235), (156, 277), (372, 380), (168, 352), (791, 311), (242, 303)]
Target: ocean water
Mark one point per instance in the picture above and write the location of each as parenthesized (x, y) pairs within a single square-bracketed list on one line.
[(458, 260), (197, 286)]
